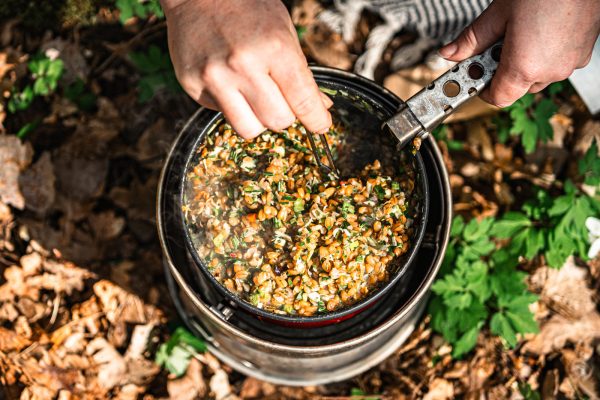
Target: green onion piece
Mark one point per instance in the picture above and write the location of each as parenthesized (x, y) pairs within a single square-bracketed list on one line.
[(298, 205)]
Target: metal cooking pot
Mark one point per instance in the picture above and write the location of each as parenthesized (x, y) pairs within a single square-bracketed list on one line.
[(286, 354), (362, 112)]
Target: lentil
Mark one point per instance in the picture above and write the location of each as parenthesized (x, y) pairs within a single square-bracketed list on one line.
[(276, 232)]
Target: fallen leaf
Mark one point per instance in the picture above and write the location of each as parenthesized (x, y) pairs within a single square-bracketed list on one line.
[(190, 386), (565, 290), (439, 389), (14, 157), (121, 306), (31, 264), (106, 225), (37, 185), (555, 333), (219, 386), (110, 364), (12, 341), (327, 47), (478, 138)]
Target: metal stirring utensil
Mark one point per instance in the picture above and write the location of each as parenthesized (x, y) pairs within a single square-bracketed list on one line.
[(330, 169), (429, 107)]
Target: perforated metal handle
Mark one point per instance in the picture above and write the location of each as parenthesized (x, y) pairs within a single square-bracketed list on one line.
[(429, 107)]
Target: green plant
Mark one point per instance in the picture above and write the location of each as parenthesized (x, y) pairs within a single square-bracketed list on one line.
[(479, 285), (45, 74), (356, 393), (138, 8), (78, 94), (441, 135), (528, 393), (552, 226), (589, 166), (176, 353), (529, 117), (156, 72)]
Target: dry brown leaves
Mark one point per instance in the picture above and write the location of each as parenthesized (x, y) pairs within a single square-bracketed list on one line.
[(571, 306), (14, 158), (52, 345)]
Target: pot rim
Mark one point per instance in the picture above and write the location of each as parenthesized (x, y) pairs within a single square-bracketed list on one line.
[(328, 317), (417, 296)]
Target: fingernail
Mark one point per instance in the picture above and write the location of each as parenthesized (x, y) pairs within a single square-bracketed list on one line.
[(448, 50), (503, 105)]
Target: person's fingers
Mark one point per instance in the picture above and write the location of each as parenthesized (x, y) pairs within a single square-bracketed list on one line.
[(487, 29), (267, 102), (327, 102), (207, 100), (302, 94), (238, 113), (508, 85), (538, 87)]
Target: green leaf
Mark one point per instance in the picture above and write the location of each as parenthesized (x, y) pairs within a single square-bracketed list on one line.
[(526, 390), (477, 280), (458, 224), (176, 353), (477, 229), (529, 135), (523, 322), (511, 223), (27, 129), (534, 243), (560, 205), (556, 87), (506, 283), (500, 325), (466, 342)]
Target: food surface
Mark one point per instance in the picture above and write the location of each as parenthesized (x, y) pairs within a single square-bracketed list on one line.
[(274, 231)]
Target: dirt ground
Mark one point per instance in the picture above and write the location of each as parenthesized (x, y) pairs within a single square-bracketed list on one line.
[(83, 301)]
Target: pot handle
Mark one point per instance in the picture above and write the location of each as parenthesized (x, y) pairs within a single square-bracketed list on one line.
[(431, 105)]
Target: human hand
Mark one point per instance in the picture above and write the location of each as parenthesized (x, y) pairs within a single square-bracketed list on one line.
[(244, 58), (544, 41)]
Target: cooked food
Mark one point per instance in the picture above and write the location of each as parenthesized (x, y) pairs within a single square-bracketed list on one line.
[(275, 232)]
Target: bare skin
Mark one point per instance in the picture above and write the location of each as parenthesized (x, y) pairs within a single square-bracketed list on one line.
[(244, 59), (544, 41)]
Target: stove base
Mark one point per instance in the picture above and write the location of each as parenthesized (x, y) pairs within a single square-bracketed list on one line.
[(292, 371)]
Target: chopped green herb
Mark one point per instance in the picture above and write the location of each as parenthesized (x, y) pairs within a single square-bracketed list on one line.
[(380, 192), (298, 205)]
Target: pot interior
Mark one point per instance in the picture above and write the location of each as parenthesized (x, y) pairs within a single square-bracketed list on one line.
[(360, 112)]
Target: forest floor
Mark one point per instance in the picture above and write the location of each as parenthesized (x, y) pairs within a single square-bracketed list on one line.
[(83, 302)]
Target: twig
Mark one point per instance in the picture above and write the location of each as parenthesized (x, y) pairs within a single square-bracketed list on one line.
[(122, 49)]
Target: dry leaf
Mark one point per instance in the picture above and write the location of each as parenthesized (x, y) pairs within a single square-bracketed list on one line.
[(327, 47), (31, 264), (110, 364), (190, 386), (106, 225), (219, 386), (439, 389), (14, 157), (37, 185), (12, 341), (121, 306)]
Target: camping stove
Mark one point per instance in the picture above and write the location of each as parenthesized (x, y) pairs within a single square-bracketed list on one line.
[(291, 355)]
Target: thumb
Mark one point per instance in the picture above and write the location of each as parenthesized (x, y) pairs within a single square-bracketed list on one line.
[(481, 34)]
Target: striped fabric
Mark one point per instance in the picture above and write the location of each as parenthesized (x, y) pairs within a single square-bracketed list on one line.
[(434, 21)]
